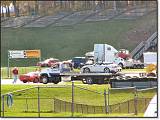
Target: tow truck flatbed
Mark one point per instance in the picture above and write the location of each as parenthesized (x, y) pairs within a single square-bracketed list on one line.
[(90, 74)]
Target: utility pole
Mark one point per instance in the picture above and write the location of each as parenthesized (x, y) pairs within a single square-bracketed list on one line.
[(72, 98)]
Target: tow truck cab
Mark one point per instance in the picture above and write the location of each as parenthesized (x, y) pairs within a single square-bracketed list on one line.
[(52, 74)]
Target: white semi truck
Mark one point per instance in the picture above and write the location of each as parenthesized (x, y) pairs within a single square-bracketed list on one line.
[(104, 53)]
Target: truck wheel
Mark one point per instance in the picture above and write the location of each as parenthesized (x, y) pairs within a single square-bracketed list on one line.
[(134, 66), (106, 70), (56, 82), (121, 65), (142, 66), (86, 70), (138, 66), (44, 79), (89, 80), (84, 81)]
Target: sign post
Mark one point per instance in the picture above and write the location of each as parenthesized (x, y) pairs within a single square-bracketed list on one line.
[(8, 71)]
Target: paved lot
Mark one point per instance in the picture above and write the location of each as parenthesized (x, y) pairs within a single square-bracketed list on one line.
[(9, 81), (119, 14), (47, 20), (75, 18), (135, 13), (70, 18), (152, 108), (18, 21), (104, 15)]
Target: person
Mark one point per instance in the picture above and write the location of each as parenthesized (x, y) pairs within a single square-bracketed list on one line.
[(15, 74)]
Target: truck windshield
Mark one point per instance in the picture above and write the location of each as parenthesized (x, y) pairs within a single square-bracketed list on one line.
[(66, 66), (55, 66), (78, 60)]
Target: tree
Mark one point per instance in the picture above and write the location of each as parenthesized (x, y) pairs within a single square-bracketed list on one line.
[(15, 8), (6, 5), (36, 7)]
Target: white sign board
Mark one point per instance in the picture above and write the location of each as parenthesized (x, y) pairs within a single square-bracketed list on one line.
[(16, 54)]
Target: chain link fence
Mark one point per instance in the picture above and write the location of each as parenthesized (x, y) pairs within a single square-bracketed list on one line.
[(40, 100)]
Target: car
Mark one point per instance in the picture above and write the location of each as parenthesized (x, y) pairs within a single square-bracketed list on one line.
[(101, 68), (48, 62), (30, 77), (78, 62)]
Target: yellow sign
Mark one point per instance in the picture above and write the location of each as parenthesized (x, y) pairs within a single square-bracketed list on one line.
[(32, 53)]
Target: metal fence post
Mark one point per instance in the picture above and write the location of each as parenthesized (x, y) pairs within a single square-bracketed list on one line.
[(65, 106), (26, 105), (3, 105), (8, 68), (105, 101), (82, 108), (38, 102), (53, 105), (135, 102), (72, 98), (128, 107), (145, 102), (108, 100)]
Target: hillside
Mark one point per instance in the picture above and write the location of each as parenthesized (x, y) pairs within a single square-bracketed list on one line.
[(67, 42)]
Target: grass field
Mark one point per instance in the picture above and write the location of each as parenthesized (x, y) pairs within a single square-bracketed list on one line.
[(64, 93), (22, 70), (67, 42), (61, 115)]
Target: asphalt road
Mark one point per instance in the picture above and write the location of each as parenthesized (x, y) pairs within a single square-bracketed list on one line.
[(9, 81)]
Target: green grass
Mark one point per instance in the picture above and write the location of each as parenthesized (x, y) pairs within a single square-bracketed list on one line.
[(22, 70), (64, 43), (64, 93), (70, 115)]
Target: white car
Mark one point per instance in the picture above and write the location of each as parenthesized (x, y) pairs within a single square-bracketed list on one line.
[(101, 68)]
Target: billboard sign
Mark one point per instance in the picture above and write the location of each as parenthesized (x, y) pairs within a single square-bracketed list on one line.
[(32, 53), (24, 53), (16, 54)]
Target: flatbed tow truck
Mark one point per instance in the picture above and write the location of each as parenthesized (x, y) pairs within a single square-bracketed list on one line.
[(118, 80), (55, 75)]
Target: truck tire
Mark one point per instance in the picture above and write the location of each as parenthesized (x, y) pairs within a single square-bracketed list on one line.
[(56, 82), (142, 66), (86, 70), (44, 79), (84, 81), (89, 80), (139, 66), (121, 65), (106, 70), (134, 66)]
